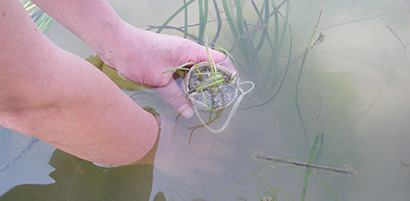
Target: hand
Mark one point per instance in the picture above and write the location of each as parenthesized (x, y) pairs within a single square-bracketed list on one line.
[(142, 56)]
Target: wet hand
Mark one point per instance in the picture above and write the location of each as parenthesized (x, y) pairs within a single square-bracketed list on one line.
[(143, 56)]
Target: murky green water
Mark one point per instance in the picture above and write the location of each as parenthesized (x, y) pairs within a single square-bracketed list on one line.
[(354, 87)]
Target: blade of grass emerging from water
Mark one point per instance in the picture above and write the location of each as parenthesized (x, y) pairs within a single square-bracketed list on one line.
[(282, 36), (239, 17), (312, 153), (218, 17), (301, 70), (174, 15), (229, 19), (203, 18), (286, 69), (265, 31), (275, 13), (185, 20)]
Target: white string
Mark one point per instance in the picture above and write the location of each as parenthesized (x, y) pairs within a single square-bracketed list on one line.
[(234, 107)]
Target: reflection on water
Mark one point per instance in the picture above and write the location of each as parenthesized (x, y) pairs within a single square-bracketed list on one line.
[(353, 88)]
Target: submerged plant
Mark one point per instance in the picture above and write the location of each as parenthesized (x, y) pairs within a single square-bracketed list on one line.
[(206, 80)]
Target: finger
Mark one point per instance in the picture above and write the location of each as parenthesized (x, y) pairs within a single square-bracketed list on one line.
[(223, 60), (198, 54), (174, 96)]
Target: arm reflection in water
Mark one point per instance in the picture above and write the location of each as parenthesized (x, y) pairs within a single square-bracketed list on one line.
[(77, 179)]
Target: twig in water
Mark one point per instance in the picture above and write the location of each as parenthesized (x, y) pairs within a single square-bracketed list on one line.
[(347, 169)]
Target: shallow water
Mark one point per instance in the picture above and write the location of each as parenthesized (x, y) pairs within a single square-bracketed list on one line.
[(354, 88)]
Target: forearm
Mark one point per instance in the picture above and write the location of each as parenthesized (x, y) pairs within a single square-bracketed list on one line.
[(93, 21), (87, 116), (60, 98)]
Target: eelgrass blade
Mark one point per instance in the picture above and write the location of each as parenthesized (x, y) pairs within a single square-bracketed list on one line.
[(185, 20), (225, 52), (219, 19), (261, 20), (286, 69), (402, 45), (211, 60), (206, 100), (239, 17), (265, 32), (173, 16), (301, 70), (275, 13), (211, 84), (229, 19), (181, 67), (203, 19), (284, 28), (307, 172)]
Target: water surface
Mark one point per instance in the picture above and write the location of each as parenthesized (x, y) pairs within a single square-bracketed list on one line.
[(353, 88)]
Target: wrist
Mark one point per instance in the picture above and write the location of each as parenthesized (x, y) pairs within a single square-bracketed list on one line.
[(103, 43)]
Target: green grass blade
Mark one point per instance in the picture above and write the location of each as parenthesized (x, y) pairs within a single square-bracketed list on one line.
[(206, 100), (284, 29), (301, 70), (286, 69), (185, 20), (174, 15), (203, 19), (229, 19), (265, 31), (218, 17), (307, 172), (239, 17), (275, 41), (181, 67)]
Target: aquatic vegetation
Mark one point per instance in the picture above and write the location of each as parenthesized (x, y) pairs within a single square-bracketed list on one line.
[(267, 191), (248, 38), (42, 20), (308, 46), (211, 87)]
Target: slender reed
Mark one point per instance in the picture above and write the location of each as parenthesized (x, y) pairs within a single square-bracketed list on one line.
[(265, 32), (286, 69), (185, 20), (300, 73), (229, 19), (312, 153), (174, 15), (402, 45), (203, 18), (219, 20)]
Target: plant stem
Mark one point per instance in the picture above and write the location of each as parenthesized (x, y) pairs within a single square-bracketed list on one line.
[(301, 70), (185, 21), (312, 153), (173, 16)]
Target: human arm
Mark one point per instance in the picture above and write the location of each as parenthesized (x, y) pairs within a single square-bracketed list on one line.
[(63, 100), (139, 55)]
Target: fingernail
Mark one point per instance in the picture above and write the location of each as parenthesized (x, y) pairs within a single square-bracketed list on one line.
[(186, 111)]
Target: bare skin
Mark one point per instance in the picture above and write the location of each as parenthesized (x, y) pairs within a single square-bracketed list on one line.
[(58, 97)]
